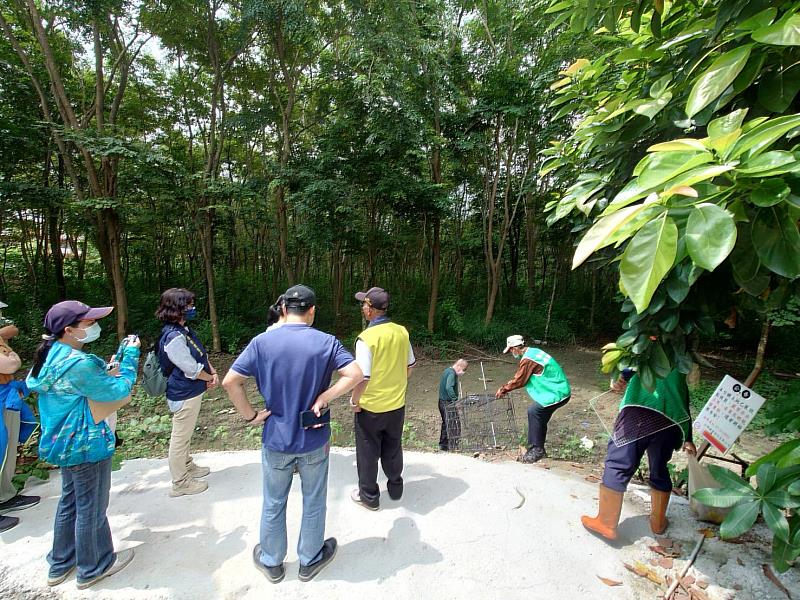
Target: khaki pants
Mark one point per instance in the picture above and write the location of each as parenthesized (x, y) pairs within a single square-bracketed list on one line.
[(183, 424), (7, 489)]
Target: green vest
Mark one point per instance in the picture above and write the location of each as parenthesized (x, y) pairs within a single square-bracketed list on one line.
[(670, 398), (386, 390), (551, 385)]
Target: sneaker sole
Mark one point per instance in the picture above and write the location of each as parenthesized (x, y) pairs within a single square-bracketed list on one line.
[(54, 581), (178, 494), (116, 569), (322, 568), (17, 508)]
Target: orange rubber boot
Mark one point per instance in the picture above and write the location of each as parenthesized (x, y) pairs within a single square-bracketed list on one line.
[(605, 523), (658, 511)]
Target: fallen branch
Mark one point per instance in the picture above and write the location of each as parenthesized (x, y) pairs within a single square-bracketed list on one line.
[(686, 568)]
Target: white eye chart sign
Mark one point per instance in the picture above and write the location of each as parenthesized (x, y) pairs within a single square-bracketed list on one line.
[(727, 413)]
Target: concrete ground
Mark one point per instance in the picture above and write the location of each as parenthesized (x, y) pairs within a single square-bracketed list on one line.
[(458, 532), (464, 529)]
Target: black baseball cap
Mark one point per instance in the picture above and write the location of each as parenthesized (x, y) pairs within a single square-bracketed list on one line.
[(300, 295), (66, 313), (376, 297)]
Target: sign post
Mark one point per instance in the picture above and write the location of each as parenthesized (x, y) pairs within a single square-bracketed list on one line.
[(727, 413)]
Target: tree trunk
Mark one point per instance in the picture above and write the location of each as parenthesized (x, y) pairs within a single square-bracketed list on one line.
[(435, 253)]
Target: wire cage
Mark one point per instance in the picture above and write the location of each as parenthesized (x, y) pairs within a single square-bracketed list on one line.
[(481, 422)]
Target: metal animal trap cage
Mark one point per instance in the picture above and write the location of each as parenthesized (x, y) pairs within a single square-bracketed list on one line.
[(481, 422)]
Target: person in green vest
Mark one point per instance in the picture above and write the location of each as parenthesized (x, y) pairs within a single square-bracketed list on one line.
[(656, 422), (546, 384), (384, 353)]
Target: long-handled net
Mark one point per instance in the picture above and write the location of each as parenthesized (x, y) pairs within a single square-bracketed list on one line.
[(644, 422)]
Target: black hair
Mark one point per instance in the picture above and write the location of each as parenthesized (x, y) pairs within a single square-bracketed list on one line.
[(40, 355), (274, 312), (173, 303), (298, 310)]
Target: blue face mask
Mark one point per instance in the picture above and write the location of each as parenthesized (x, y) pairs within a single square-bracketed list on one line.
[(190, 313)]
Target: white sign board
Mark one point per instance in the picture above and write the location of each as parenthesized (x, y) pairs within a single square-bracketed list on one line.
[(727, 413)]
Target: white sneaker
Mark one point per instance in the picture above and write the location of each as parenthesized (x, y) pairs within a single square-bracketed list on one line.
[(121, 560), (188, 488)]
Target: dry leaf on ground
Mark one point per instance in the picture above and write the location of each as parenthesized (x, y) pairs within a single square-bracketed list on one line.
[(592, 478), (665, 563), (609, 582), (664, 542), (696, 594), (644, 571)]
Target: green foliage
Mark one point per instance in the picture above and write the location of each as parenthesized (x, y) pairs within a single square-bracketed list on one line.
[(683, 182), (776, 494), (784, 410)]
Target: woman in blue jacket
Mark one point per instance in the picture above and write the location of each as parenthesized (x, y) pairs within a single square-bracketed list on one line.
[(65, 378), (185, 361)]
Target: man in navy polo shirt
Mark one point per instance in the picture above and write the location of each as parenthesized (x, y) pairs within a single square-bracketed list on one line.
[(292, 366)]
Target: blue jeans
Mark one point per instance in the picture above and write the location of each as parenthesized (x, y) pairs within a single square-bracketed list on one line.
[(81, 534), (278, 470)]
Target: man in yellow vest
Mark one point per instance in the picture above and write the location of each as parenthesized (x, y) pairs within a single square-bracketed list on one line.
[(384, 354)]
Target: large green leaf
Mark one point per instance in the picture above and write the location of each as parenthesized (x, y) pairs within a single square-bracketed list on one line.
[(723, 126), (766, 478), (770, 192), (603, 228), (662, 166), (768, 163), (763, 135), (777, 89), (647, 259), (782, 554), (710, 235), (785, 455), (716, 78), (634, 191), (786, 32), (777, 241), (776, 521), (747, 270), (740, 519), (729, 479), (719, 498)]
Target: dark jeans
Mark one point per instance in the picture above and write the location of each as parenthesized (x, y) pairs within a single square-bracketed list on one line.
[(538, 418), (81, 534), (455, 427), (379, 437), (622, 462)]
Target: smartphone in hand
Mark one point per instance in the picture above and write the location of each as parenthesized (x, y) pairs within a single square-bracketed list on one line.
[(308, 419)]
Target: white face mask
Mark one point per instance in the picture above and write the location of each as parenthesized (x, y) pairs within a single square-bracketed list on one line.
[(91, 333)]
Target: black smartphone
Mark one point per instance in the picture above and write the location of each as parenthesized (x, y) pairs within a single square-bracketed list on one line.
[(309, 419)]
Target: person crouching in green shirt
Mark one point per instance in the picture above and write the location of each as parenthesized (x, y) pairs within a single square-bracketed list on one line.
[(448, 393), (546, 384)]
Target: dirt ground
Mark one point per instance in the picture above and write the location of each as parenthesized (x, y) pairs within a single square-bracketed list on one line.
[(145, 424)]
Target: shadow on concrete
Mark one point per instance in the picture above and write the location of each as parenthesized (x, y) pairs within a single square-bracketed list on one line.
[(379, 558)]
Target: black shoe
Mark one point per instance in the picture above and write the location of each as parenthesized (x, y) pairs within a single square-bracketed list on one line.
[(308, 572), (19, 502), (7, 523), (274, 574), (395, 494), (534, 455)]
